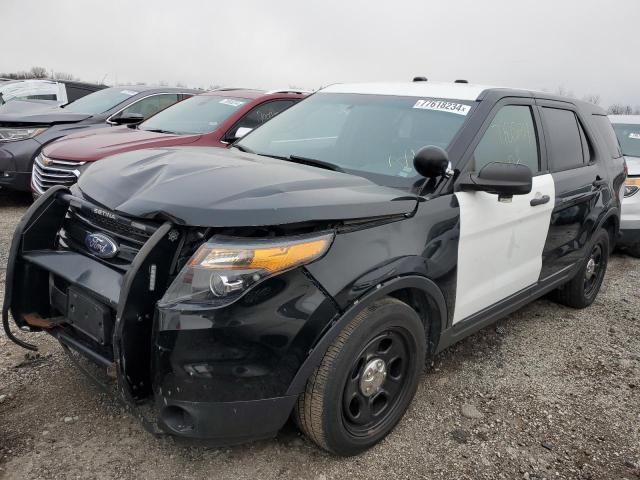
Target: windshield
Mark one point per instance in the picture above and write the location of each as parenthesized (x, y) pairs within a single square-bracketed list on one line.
[(375, 136), (100, 101), (195, 115), (629, 138)]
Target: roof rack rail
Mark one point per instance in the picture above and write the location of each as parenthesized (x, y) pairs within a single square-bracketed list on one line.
[(225, 89), (461, 81), (287, 90), (420, 79)]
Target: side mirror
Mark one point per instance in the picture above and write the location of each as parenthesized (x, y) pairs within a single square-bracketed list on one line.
[(239, 133), (505, 179), (128, 119), (431, 162)]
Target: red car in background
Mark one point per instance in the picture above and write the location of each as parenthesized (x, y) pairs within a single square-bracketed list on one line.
[(214, 119)]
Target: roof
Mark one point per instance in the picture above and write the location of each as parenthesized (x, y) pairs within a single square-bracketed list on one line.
[(252, 93), (153, 88), (633, 119), (460, 91)]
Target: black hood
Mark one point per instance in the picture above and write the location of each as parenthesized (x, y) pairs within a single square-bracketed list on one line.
[(25, 113), (226, 188)]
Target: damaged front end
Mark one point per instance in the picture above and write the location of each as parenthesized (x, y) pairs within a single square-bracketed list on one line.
[(207, 356), (97, 303)]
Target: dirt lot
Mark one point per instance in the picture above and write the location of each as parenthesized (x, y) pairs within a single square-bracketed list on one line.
[(554, 392)]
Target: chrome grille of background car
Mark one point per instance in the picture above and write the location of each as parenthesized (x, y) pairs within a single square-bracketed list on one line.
[(48, 172), (129, 236)]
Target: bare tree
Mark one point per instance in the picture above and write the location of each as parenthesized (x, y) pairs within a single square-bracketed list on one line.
[(63, 76), (592, 98), (38, 72), (619, 109), (180, 85), (563, 92)]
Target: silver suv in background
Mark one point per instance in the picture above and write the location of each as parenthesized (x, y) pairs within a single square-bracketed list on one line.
[(627, 128)]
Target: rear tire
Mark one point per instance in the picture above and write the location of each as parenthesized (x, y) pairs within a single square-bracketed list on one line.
[(581, 291), (366, 379)]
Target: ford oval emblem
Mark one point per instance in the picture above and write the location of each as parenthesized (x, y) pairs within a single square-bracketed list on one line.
[(101, 245)]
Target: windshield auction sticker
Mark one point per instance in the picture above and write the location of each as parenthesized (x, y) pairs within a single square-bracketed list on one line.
[(232, 102), (635, 136), (442, 106)]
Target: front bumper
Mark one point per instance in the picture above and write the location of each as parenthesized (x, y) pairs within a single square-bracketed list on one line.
[(630, 221), (224, 375), (16, 161)]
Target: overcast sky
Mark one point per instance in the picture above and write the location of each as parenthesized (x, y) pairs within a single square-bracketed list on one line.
[(583, 46)]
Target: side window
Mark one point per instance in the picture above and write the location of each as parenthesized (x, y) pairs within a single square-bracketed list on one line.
[(586, 151), (564, 139), (260, 114), (511, 137), (151, 105), (609, 135)]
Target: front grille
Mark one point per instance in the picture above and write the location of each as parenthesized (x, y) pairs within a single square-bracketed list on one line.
[(48, 172), (128, 235)]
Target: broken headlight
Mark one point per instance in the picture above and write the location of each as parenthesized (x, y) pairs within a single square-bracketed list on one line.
[(223, 269)]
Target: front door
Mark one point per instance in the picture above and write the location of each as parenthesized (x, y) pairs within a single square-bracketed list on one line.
[(502, 239)]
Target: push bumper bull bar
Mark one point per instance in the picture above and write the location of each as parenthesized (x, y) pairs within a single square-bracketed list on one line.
[(33, 247)]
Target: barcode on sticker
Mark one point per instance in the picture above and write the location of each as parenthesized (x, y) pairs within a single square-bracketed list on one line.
[(443, 106)]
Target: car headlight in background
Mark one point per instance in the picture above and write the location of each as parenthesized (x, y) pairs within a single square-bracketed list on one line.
[(223, 269), (15, 134), (631, 186)]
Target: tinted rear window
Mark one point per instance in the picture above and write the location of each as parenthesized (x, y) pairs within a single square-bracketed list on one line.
[(101, 101), (563, 139), (603, 125)]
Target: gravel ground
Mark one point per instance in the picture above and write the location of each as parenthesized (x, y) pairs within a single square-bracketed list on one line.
[(548, 392)]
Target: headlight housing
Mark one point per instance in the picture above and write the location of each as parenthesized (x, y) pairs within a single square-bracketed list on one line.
[(631, 186), (225, 268), (15, 134)]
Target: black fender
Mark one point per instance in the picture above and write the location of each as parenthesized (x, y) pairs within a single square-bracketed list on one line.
[(611, 213), (424, 284)]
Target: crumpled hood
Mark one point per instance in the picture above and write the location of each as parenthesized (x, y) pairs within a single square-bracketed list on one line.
[(49, 115), (93, 145), (215, 187)]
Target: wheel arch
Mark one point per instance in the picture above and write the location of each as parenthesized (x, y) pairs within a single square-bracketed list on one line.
[(611, 223), (419, 292)]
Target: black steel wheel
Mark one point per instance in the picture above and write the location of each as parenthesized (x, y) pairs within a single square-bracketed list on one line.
[(366, 380), (377, 382), (581, 291)]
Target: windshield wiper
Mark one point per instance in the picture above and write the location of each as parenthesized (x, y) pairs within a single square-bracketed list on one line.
[(158, 130), (242, 148), (315, 163), (295, 159)]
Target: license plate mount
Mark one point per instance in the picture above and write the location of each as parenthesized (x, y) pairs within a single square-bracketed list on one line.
[(89, 316)]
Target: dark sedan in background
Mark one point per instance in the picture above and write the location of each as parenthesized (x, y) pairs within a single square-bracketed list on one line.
[(23, 135)]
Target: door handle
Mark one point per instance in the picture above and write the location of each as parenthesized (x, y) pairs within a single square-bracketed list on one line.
[(598, 182), (539, 200)]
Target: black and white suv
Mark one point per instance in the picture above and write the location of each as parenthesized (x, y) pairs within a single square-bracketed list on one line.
[(313, 268)]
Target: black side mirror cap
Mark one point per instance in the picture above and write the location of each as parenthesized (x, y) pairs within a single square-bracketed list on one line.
[(128, 119), (501, 178), (431, 162)]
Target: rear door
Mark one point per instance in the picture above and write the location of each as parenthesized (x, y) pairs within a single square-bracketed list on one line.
[(502, 239), (577, 186)]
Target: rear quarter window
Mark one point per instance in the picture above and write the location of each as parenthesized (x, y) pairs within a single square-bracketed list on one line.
[(604, 127)]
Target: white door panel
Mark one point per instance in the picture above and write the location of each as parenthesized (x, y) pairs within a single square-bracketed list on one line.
[(500, 247)]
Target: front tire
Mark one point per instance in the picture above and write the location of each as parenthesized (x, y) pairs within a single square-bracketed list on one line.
[(581, 291), (366, 379)]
